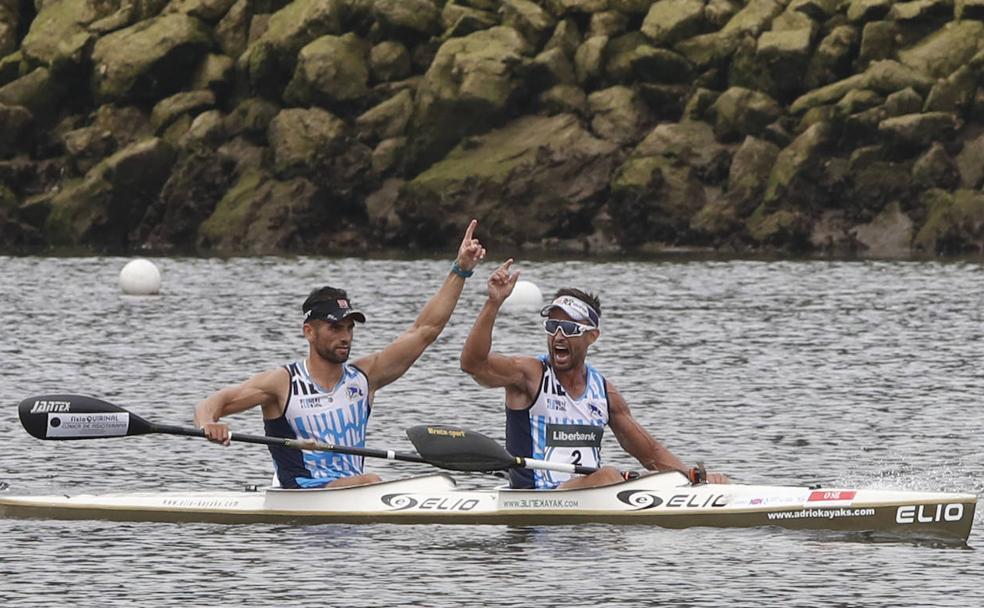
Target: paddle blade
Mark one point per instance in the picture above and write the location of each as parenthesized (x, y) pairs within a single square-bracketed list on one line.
[(459, 449), (77, 417)]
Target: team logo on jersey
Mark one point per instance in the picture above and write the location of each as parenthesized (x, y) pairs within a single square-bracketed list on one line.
[(355, 390), (595, 411)]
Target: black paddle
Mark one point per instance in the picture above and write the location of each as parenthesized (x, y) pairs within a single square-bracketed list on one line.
[(459, 449), (65, 417)]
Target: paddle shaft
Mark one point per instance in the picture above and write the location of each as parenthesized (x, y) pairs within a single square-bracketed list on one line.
[(560, 467), (299, 444)]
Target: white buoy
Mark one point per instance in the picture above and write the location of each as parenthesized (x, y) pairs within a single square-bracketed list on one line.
[(525, 296), (140, 277)]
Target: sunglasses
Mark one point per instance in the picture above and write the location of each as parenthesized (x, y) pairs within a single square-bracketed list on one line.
[(570, 329)]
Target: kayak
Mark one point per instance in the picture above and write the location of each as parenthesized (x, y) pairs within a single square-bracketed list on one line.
[(669, 499), (666, 500)]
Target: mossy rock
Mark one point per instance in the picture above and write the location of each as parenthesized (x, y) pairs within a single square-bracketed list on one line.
[(954, 223), (148, 60), (670, 21), (942, 52), (262, 215), (739, 112), (332, 71), (103, 208)]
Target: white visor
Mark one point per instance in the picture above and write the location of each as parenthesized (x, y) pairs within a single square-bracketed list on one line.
[(577, 310)]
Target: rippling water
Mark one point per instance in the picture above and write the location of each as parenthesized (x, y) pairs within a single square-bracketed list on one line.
[(853, 373)]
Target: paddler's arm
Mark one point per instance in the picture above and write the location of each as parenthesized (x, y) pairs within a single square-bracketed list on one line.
[(267, 389), (639, 443), (519, 375), (636, 440), (393, 361)]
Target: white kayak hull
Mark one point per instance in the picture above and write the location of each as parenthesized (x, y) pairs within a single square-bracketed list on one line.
[(665, 500)]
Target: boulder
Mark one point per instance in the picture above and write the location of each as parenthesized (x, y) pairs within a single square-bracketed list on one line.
[(168, 110), (798, 164), (59, 35), (389, 61), (251, 118), (332, 71), (861, 11), (459, 20), (566, 37), (708, 50), (828, 94), (887, 235), (9, 25), (749, 172), (206, 131), (210, 11), (719, 12), (271, 58), (387, 120), (955, 93), (148, 60), (416, 19), (536, 177), (935, 169), (890, 76), (691, 143), (37, 91), (917, 131), (15, 123), (467, 89), (942, 52), (670, 21), (190, 195), (618, 115), (305, 140), (921, 10), (653, 199), (86, 146), (739, 112), (879, 40), (970, 163), (969, 9), (549, 68), (562, 8), (261, 214), (608, 23), (754, 18), (906, 101), (589, 60), (529, 19), (232, 31), (563, 99), (101, 209), (216, 73), (954, 223)]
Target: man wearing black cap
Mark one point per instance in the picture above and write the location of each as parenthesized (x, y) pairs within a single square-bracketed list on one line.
[(325, 398), (557, 406)]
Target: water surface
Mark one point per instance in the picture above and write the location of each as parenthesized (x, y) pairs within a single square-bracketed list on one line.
[(839, 373)]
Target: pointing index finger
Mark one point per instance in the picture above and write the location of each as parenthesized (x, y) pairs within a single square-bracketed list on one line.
[(470, 230)]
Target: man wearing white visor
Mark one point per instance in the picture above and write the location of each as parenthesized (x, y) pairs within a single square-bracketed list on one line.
[(557, 406)]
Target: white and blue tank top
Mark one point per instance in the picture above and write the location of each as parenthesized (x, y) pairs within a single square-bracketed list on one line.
[(558, 428), (337, 415)]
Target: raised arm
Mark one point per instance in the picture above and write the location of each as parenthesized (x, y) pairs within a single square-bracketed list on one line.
[(639, 443), (393, 361), (519, 375), (267, 389)]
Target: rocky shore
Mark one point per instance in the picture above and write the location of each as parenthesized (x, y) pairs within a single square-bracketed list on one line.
[(597, 126)]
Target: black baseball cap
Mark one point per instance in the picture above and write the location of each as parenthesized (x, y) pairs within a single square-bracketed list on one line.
[(333, 311)]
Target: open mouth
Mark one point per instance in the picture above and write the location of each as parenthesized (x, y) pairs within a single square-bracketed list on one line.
[(561, 353)]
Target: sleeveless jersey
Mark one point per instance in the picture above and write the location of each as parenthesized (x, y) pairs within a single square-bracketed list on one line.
[(558, 427), (337, 415)]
